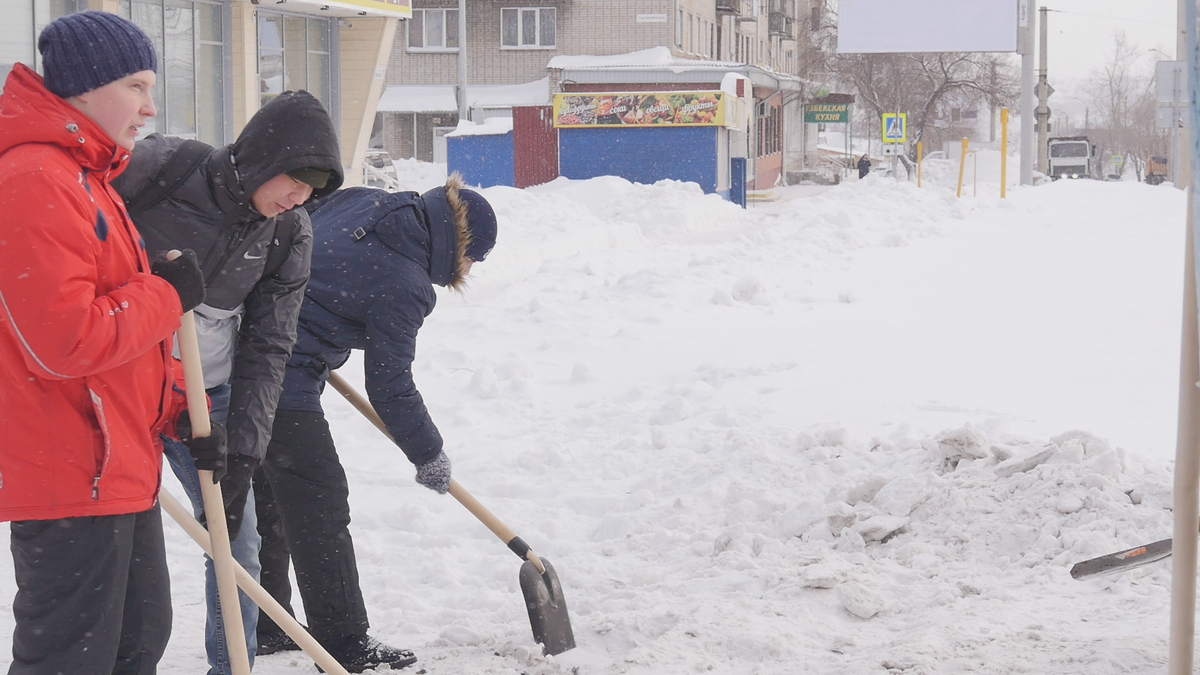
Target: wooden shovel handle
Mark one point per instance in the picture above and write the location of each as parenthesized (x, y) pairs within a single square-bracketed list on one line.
[(255, 591), (214, 505), (514, 543)]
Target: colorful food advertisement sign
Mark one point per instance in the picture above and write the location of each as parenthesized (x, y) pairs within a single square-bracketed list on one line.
[(640, 109)]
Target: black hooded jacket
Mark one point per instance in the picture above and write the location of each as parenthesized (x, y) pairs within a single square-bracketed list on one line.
[(247, 325)]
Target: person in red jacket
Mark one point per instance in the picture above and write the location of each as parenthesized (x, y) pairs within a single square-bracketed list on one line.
[(86, 374)]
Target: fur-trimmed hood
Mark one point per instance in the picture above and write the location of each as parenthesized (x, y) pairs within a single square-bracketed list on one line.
[(446, 212), (430, 229)]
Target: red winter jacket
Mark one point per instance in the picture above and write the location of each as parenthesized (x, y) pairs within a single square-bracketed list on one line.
[(85, 363)]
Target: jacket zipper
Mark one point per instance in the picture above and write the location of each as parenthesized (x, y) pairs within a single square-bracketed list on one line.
[(230, 247), (98, 406)]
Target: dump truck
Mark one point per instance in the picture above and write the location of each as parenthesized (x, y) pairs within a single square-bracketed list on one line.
[(1156, 170)]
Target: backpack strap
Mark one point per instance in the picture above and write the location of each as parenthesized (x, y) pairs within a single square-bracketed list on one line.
[(182, 164)]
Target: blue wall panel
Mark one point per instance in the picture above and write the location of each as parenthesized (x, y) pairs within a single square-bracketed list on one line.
[(641, 155), (482, 160)]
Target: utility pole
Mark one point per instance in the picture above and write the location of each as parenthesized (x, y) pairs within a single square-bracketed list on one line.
[(1026, 25), (992, 110), (1186, 500), (1043, 92), (1183, 175), (464, 108)]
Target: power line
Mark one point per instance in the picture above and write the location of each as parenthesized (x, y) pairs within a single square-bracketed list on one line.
[(1111, 18)]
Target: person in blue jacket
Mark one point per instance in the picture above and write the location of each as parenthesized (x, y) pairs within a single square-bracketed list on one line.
[(376, 259)]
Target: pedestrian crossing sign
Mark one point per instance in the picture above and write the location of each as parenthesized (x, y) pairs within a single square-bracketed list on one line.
[(895, 128)]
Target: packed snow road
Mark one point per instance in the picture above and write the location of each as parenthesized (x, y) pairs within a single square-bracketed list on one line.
[(866, 429)]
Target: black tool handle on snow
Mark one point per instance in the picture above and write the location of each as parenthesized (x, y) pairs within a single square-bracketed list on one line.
[(514, 543), (1122, 560)]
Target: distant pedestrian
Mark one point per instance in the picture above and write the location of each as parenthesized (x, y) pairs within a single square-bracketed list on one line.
[(864, 166)]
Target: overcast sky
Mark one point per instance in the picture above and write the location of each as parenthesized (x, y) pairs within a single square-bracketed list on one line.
[(1081, 32)]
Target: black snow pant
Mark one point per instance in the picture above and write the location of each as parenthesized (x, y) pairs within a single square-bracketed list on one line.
[(272, 555), (93, 595), (312, 511)]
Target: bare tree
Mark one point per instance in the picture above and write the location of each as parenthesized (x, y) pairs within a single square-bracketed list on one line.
[(929, 87), (1122, 94)]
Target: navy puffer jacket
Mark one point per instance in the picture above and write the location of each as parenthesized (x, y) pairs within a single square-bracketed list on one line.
[(376, 256)]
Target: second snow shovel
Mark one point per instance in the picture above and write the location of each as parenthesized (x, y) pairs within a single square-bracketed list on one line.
[(214, 505), (543, 594)]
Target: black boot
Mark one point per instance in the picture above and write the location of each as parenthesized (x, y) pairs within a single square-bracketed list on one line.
[(357, 653), (275, 641)]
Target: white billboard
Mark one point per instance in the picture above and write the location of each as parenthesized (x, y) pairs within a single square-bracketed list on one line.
[(889, 26)]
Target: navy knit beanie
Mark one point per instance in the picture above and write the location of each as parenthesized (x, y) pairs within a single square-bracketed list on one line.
[(481, 221), (87, 50)]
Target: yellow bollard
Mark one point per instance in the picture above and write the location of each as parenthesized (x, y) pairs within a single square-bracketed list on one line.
[(1003, 152), (962, 161), (919, 147)]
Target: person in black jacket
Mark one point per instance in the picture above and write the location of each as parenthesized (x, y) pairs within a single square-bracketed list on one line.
[(235, 206), (864, 166), (376, 259)]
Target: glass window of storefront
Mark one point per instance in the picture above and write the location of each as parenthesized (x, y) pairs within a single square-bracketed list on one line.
[(21, 26), (189, 36), (294, 53)]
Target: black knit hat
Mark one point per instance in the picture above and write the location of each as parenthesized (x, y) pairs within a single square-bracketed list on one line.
[(87, 50)]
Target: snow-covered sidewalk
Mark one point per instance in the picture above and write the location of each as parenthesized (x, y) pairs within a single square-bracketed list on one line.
[(866, 430)]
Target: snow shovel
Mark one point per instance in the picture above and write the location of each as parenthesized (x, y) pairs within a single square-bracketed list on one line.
[(543, 594), (214, 506)]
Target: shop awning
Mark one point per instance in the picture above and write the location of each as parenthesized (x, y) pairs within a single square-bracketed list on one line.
[(394, 9), (658, 65), (423, 98)]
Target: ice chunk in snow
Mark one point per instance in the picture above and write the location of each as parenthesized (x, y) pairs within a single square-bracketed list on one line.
[(902, 494), (1025, 462), (858, 599), (877, 528), (962, 443)]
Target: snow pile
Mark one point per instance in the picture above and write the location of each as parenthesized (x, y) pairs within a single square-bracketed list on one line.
[(865, 430), (419, 176)]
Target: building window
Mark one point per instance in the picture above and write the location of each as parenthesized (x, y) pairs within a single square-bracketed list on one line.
[(21, 26), (189, 38), (527, 27), (294, 52), (679, 28), (190, 93), (433, 30), (769, 130)]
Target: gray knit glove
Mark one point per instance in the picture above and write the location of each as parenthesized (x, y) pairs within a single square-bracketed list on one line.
[(435, 474)]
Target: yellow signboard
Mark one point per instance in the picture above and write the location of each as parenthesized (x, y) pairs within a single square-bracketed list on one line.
[(640, 109), (399, 9)]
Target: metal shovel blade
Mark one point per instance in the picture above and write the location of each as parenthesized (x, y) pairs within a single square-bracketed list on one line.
[(547, 608)]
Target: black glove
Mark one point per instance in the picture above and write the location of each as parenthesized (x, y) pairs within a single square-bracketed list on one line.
[(208, 451), (435, 474), (184, 274), (235, 487)]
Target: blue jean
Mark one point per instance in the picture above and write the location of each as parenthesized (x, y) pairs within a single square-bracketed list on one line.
[(244, 547)]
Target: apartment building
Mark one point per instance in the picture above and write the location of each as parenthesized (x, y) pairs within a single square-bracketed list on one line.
[(220, 60), (510, 44)]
